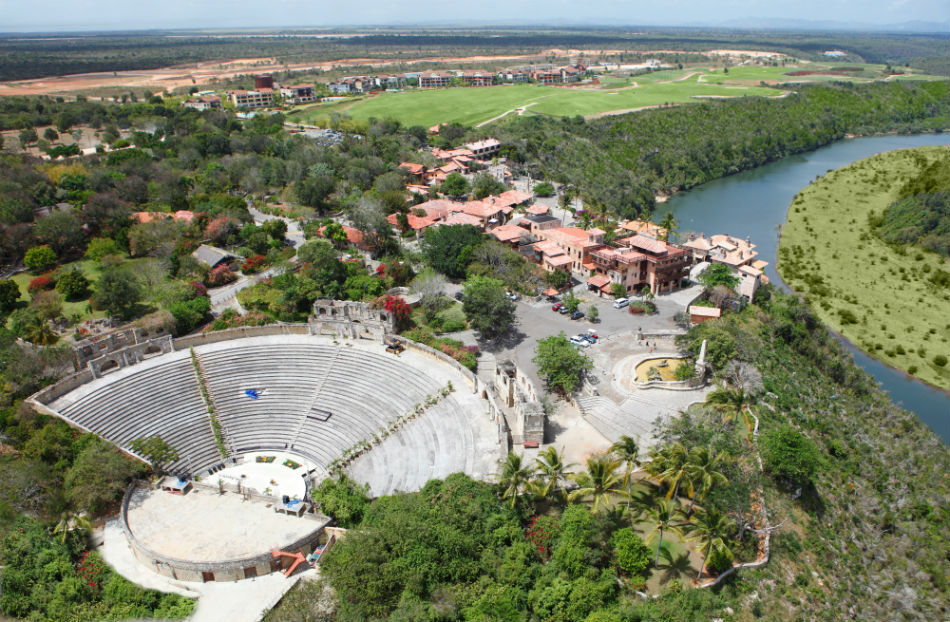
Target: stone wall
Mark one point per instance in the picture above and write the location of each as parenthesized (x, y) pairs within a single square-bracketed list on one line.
[(224, 570), (350, 320), (95, 347), (130, 355), (517, 392)]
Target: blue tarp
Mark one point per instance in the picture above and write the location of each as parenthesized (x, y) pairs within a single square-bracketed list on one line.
[(251, 393)]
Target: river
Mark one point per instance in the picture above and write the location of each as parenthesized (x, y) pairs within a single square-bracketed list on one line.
[(754, 203)]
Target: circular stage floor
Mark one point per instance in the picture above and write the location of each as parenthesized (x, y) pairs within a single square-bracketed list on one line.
[(268, 478), (206, 526)]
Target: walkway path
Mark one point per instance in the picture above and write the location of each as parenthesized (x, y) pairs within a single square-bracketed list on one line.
[(239, 601)]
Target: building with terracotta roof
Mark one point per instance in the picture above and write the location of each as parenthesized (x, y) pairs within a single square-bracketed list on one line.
[(575, 243), (641, 261), (486, 211), (461, 218), (740, 255), (698, 315), (353, 236), (514, 75), (417, 223), (538, 208), (641, 227), (512, 235), (416, 170), (514, 198), (181, 215)]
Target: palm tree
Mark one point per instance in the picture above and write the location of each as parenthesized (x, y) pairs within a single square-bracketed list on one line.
[(664, 518), (39, 332), (551, 471), (514, 477), (702, 465), (599, 482), (728, 401), (628, 450), (669, 224), (70, 522), (707, 527), (670, 467)]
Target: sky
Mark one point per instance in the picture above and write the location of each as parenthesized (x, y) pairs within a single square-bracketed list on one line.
[(99, 15)]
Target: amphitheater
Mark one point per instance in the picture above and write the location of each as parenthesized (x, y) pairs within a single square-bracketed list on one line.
[(313, 394)]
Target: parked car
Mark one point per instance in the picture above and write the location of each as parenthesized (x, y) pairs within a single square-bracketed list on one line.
[(460, 296), (556, 306), (591, 333), (577, 315), (563, 310), (589, 336), (620, 303), (513, 297), (578, 341)]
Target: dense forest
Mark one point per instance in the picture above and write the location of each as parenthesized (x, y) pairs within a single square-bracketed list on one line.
[(921, 215), (624, 161), (44, 55), (854, 539)]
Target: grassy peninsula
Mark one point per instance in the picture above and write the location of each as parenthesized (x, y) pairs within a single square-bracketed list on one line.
[(890, 299)]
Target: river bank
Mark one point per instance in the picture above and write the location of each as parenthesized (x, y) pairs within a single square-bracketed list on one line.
[(882, 298), (754, 203)]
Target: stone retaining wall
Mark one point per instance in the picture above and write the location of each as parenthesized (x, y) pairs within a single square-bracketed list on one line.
[(223, 570)]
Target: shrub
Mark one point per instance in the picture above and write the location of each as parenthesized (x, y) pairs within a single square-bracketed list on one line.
[(40, 283), (789, 455), (720, 558), (221, 275), (73, 285), (940, 360), (39, 258), (544, 189), (631, 554), (253, 264)]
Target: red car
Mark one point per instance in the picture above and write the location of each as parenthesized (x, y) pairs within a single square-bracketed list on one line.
[(556, 306)]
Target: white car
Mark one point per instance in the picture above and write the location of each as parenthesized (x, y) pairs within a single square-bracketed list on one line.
[(577, 340), (620, 303)]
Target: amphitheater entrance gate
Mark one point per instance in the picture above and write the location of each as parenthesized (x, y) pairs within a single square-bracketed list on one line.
[(207, 575), (250, 571)]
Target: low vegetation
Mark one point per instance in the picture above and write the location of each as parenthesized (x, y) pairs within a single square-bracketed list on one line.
[(890, 299)]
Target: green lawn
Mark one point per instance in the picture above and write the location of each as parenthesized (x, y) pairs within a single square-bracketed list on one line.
[(829, 253), (469, 106), (90, 270)]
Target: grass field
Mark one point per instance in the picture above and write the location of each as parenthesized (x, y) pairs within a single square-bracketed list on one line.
[(471, 106), (880, 297)]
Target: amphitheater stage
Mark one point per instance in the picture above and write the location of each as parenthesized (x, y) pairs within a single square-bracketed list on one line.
[(207, 527), (268, 478)]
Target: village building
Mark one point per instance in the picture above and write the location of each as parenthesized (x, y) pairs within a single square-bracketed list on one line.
[(299, 93), (738, 254), (251, 99), (434, 79), (418, 171), (573, 243), (640, 227), (511, 235), (207, 102), (639, 261), (698, 315), (514, 75), (484, 149), (354, 237), (476, 77), (212, 256)]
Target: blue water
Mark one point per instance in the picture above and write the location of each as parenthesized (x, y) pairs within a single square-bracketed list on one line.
[(754, 203)]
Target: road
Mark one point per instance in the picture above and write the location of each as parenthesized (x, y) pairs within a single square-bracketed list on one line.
[(225, 297)]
